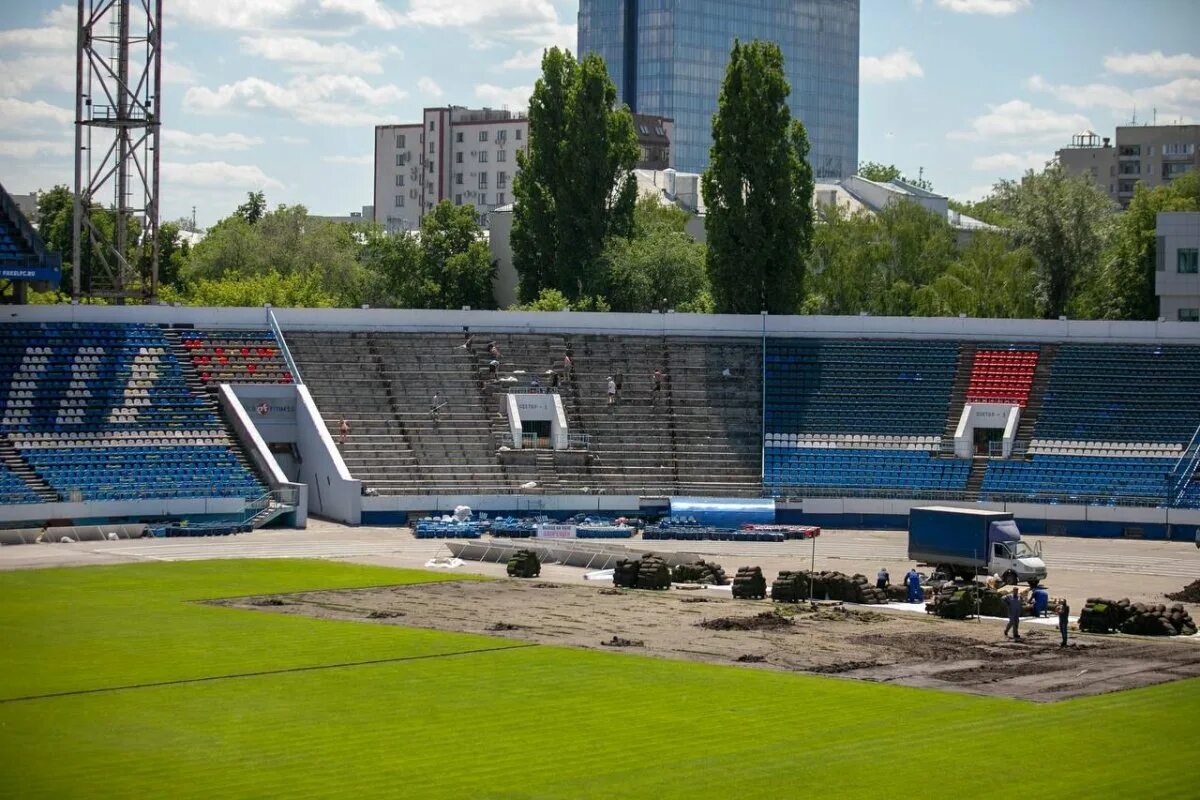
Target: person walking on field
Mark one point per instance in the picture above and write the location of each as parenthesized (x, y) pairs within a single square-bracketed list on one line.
[(1064, 617), (1014, 615), (343, 431)]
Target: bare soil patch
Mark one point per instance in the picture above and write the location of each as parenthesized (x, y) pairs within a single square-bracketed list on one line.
[(852, 642)]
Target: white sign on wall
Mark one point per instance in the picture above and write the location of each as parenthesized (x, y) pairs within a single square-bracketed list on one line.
[(555, 530)]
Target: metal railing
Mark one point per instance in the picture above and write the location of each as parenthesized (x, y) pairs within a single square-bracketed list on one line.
[(283, 347), (283, 499), (579, 441), (1185, 467), (1044, 498)]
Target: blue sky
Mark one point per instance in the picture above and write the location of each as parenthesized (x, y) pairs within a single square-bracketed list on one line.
[(282, 95)]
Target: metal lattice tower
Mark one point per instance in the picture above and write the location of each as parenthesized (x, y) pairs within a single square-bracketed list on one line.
[(118, 75)]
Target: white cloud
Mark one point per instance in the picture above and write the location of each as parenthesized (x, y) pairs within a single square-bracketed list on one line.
[(524, 59), (975, 193), (1017, 119), (1181, 94), (463, 13), (32, 149), (38, 114), (1152, 63), (300, 54), (429, 87), (497, 96), (26, 72), (996, 8), (1009, 162), (372, 12), (235, 14), (350, 161), (217, 175), (190, 142), (895, 66), (334, 100), (293, 140), (58, 34)]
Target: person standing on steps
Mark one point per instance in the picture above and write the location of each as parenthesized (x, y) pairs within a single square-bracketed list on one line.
[(435, 409), (612, 390), (568, 367), (343, 431), (658, 379), (619, 379)]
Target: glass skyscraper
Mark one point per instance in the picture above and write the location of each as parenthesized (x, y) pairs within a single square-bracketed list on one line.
[(668, 57)]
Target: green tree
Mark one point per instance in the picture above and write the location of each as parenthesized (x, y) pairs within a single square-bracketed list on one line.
[(253, 209), (659, 265), (456, 258), (757, 189), (575, 186), (987, 279), (1125, 289), (284, 291), (882, 173), (1064, 221)]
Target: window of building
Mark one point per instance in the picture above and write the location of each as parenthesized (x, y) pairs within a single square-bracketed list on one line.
[(483, 198), (458, 179), (517, 134), (1187, 260), (400, 141), (431, 146), (483, 180), (1189, 315), (399, 159), (483, 156), (1178, 149), (502, 180), (500, 198), (458, 157), (501, 155), (458, 136), (483, 136), (430, 124), (399, 180), (399, 201), (458, 199), (1171, 171)]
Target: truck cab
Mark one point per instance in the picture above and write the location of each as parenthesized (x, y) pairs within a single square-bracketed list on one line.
[(1018, 560)]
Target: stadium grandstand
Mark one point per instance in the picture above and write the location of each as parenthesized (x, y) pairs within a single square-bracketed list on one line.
[(252, 415)]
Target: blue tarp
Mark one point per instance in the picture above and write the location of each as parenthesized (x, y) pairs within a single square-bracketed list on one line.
[(730, 512)]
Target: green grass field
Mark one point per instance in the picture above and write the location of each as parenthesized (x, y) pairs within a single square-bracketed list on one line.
[(114, 684)]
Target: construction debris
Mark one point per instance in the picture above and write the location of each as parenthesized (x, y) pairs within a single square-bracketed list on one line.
[(1188, 594), (749, 584), (699, 572), (524, 564), (1101, 615)]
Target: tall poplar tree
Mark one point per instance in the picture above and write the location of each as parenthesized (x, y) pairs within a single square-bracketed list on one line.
[(575, 186), (757, 189)]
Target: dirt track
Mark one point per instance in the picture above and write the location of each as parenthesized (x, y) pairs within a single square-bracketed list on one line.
[(701, 625)]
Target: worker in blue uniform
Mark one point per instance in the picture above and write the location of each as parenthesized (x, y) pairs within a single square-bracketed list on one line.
[(913, 581), (1041, 601)]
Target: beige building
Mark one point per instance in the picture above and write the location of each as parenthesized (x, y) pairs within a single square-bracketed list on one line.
[(469, 157), (1177, 275), (1150, 154)]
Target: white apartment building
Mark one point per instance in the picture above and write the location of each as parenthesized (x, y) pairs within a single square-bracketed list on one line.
[(466, 156), (1177, 279)]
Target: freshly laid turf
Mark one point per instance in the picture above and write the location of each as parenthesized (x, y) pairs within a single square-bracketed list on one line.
[(458, 719)]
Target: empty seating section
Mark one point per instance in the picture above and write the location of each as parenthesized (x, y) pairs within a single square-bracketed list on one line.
[(141, 472), (1068, 479), (869, 387), (907, 471), (1002, 376), (13, 247), (701, 435), (236, 356), (1122, 393), (13, 490), (859, 416), (103, 412)]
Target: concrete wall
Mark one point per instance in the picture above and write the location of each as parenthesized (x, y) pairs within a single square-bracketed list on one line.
[(1175, 231), (243, 406), (105, 511), (332, 492), (998, 330)]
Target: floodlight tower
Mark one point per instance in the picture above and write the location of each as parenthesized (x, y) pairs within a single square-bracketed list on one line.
[(118, 75)]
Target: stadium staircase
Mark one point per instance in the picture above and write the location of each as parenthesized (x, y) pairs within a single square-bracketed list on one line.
[(1037, 397), (958, 396), (18, 468), (979, 465)]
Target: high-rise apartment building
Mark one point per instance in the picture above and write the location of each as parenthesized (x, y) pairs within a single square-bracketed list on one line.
[(469, 157), (668, 57), (1150, 154)]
